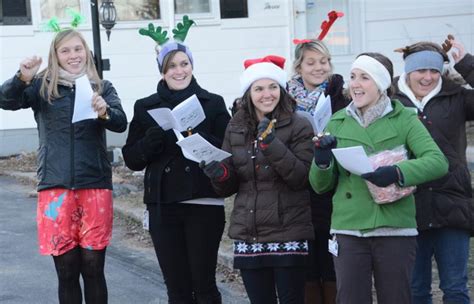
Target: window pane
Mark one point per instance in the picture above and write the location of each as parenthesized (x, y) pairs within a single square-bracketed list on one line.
[(15, 12), (338, 38), (234, 9), (136, 10), (192, 6), (50, 8)]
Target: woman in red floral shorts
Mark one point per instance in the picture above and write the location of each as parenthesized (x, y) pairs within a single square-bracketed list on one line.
[(74, 175)]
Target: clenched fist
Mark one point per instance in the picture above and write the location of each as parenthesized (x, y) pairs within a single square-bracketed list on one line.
[(29, 67)]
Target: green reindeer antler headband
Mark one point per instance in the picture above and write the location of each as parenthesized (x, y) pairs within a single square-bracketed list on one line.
[(160, 36), (52, 25)]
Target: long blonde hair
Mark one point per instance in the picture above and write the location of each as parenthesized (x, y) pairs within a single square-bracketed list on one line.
[(50, 75)]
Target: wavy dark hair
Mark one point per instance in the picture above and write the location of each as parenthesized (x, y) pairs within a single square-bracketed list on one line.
[(286, 104)]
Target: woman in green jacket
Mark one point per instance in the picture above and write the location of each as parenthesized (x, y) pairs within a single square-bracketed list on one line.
[(371, 239)]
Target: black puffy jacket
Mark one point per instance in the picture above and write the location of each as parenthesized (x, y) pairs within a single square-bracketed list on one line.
[(448, 202), (70, 156)]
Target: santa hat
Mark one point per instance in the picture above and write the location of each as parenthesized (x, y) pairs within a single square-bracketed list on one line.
[(270, 66)]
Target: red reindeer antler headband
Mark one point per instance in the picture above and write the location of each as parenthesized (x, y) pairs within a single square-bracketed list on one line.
[(325, 26)]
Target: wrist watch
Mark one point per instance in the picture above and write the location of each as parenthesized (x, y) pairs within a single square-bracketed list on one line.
[(106, 115)]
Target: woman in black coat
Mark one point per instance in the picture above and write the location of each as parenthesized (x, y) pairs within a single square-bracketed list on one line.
[(74, 213), (186, 217), (444, 207)]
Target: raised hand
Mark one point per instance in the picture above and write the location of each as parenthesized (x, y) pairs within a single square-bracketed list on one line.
[(322, 150), (458, 51), (29, 67)]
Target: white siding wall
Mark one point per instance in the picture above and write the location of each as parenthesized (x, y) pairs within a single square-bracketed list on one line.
[(220, 46)]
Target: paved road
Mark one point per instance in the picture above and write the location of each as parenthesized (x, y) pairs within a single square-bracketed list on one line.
[(26, 277)]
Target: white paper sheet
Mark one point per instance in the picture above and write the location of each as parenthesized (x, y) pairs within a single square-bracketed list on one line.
[(197, 149), (188, 114), (83, 101), (322, 114), (353, 159)]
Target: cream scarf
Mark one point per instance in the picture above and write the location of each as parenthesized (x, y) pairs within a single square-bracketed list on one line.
[(67, 79), (420, 104)]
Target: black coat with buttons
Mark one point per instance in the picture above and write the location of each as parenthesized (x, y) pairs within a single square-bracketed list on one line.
[(70, 155), (169, 176), (448, 202)]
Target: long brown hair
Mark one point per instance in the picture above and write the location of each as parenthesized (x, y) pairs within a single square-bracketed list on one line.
[(50, 75)]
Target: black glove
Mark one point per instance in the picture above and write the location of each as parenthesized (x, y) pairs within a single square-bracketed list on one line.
[(262, 126), (153, 140), (322, 150), (383, 176), (214, 170)]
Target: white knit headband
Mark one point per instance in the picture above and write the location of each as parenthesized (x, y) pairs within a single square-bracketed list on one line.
[(375, 69)]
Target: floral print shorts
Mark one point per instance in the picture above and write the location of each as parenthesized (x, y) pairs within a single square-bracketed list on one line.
[(70, 218)]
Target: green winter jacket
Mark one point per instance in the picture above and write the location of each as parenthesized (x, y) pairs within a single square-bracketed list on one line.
[(353, 206)]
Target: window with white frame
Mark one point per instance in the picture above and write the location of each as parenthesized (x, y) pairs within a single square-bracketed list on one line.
[(233, 9), (127, 10), (136, 10), (338, 39), (15, 12), (192, 6), (57, 8)]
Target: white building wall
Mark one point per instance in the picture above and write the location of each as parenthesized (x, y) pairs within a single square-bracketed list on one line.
[(220, 46)]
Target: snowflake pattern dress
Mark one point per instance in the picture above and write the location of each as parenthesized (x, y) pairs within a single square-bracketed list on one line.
[(271, 254)]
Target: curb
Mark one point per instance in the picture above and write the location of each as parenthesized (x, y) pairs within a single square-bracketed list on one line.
[(225, 256)]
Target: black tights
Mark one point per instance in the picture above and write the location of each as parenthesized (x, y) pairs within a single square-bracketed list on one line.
[(89, 264)]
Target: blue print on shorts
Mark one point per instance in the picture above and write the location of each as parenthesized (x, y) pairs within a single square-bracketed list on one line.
[(52, 210)]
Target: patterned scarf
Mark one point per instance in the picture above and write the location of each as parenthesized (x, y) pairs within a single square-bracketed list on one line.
[(306, 100), (376, 111)]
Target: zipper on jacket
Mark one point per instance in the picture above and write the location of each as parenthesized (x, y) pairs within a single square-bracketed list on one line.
[(71, 113), (254, 213)]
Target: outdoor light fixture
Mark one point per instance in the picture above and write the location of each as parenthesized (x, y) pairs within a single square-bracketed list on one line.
[(107, 16)]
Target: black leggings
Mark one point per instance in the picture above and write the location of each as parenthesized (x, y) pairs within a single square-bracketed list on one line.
[(89, 264), (263, 285), (186, 241)]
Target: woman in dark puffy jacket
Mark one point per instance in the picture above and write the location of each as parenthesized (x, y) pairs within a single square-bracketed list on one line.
[(74, 175), (444, 207), (186, 216), (271, 154)]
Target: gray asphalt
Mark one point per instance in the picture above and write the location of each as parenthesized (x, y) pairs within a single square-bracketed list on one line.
[(26, 277)]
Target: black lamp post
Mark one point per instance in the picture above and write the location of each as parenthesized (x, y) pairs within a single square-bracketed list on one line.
[(108, 16)]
